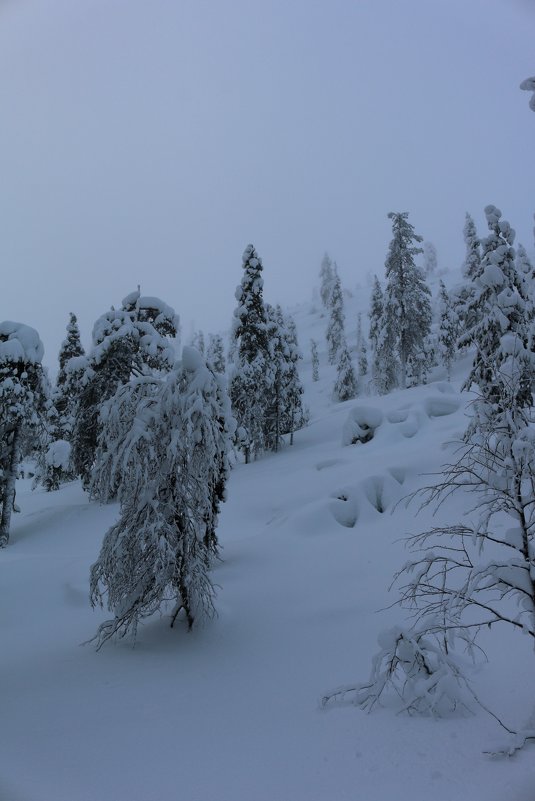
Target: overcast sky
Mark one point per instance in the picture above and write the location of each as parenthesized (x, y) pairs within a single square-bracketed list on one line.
[(148, 141)]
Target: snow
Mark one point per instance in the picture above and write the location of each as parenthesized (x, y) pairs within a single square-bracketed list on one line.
[(191, 359), (361, 424), (20, 343), (230, 711), (58, 454)]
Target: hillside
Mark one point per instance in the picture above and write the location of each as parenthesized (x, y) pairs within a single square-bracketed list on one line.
[(230, 711)]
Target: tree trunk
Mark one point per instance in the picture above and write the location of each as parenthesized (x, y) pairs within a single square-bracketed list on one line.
[(8, 497)]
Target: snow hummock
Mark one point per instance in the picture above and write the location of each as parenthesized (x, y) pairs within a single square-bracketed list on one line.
[(361, 424)]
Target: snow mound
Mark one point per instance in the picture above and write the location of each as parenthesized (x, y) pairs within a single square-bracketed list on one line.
[(361, 424), (344, 508), (20, 343), (440, 406)]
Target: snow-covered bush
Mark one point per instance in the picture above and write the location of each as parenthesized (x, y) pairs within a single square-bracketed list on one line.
[(411, 672)]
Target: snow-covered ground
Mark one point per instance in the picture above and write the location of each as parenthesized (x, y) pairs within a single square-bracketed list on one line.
[(230, 711)]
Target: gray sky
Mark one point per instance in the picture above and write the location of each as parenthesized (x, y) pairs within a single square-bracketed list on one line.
[(148, 141)]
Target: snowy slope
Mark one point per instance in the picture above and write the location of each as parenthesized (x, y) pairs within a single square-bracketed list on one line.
[(230, 712)]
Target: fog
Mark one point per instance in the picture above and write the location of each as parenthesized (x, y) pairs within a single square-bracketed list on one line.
[(148, 142)]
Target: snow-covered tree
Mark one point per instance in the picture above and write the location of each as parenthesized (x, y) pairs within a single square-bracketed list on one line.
[(250, 376), (21, 406), (420, 362), (215, 355), (362, 349), (526, 275), (406, 319), (430, 259), (464, 295), (296, 414), (345, 386), (335, 329), (67, 387), (496, 310), (134, 340), (472, 261), (475, 575), (326, 279), (315, 360), (376, 313), (197, 341), (285, 412), (448, 329), (175, 455), (529, 86)]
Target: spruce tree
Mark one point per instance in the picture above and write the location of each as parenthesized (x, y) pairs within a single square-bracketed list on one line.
[(448, 330), (285, 412), (296, 414), (406, 320), (197, 341), (250, 375), (315, 360), (68, 383), (345, 386), (362, 349), (215, 355), (498, 312), (376, 313), (22, 400), (326, 279), (335, 329), (465, 306), (472, 261), (430, 259)]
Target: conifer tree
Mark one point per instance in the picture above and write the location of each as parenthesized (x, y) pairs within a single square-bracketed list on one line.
[(430, 259), (68, 383), (296, 414), (472, 262), (327, 279), (216, 353), (526, 275), (335, 329), (345, 386), (174, 454), (126, 342), (497, 312), (285, 412), (315, 360), (22, 398), (376, 313), (250, 375), (465, 307), (406, 320), (197, 341), (448, 331), (362, 349)]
